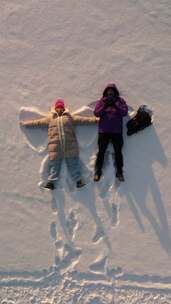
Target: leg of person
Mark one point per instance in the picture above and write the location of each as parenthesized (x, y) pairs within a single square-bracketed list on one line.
[(117, 141), (54, 172), (103, 141), (74, 168)]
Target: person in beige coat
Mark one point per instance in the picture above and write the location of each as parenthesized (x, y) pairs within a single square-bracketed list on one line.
[(62, 142)]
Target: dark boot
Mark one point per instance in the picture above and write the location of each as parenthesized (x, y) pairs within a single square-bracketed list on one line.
[(80, 183), (119, 175), (97, 176), (49, 185)]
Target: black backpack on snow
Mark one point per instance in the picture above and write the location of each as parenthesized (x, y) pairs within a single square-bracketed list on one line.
[(142, 119)]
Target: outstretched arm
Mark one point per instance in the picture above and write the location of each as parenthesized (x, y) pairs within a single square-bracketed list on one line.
[(84, 120), (35, 122)]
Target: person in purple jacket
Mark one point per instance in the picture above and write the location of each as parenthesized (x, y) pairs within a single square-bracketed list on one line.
[(110, 109)]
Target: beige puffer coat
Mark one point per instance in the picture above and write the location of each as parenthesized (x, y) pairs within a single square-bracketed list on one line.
[(62, 141)]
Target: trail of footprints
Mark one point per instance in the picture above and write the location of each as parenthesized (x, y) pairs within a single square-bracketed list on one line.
[(72, 225), (65, 253)]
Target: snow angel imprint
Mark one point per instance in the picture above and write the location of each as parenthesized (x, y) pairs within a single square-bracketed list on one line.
[(62, 142)]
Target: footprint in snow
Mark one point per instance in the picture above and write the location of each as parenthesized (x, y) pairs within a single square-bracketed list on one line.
[(72, 224), (99, 266), (114, 214), (53, 232), (98, 235)]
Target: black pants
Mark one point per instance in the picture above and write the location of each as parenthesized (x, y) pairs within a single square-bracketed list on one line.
[(103, 140)]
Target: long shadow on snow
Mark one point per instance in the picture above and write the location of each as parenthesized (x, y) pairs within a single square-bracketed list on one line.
[(144, 149)]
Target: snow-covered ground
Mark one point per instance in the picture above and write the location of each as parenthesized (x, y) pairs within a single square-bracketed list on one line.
[(100, 244)]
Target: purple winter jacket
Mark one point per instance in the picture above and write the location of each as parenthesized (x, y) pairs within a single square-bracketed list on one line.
[(111, 117)]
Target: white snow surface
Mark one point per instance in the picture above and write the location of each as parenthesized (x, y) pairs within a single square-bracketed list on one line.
[(105, 243)]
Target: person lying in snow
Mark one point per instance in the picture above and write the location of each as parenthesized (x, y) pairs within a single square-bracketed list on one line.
[(110, 109), (62, 142)]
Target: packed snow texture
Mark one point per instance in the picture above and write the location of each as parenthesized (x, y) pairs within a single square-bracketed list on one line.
[(106, 243)]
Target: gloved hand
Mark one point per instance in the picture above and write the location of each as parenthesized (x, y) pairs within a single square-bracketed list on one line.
[(22, 123), (109, 101)]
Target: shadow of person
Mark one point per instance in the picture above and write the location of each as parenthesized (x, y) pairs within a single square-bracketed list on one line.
[(86, 196), (58, 201), (143, 151), (108, 188), (67, 191)]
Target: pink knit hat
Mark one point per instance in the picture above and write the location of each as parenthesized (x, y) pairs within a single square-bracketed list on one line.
[(59, 103)]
